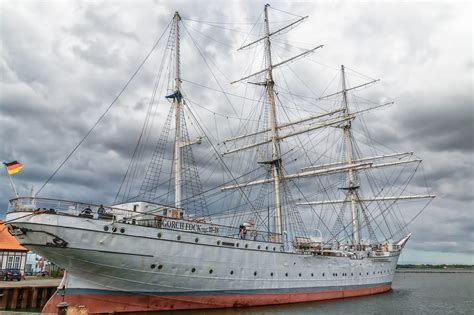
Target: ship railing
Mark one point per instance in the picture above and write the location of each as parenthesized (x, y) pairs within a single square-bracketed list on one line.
[(101, 212), (203, 227), (66, 207)]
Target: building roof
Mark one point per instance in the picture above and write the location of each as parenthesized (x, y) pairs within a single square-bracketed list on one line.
[(7, 241)]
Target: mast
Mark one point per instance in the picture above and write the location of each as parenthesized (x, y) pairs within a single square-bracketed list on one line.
[(276, 160), (352, 188), (177, 105)]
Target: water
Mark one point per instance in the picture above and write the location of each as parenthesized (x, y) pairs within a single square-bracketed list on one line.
[(413, 293)]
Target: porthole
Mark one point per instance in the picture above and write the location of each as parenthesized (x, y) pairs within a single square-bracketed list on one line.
[(255, 273), (258, 246), (367, 273), (160, 267), (158, 235), (274, 249), (122, 230), (323, 274), (178, 237), (360, 274), (211, 271), (193, 270), (106, 228), (266, 247), (246, 245), (286, 274), (271, 274), (352, 274), (218, 242), (237, 245), (196, 240), (152, 266), (312, 275), (232, 272), (299, 274), (114, 229)]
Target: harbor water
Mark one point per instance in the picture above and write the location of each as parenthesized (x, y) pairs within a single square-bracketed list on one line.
[(413, 293)]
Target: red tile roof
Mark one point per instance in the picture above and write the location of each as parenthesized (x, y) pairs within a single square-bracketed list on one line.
[(8, 242)]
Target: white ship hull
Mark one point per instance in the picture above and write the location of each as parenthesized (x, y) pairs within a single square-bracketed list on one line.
[(136, 268)]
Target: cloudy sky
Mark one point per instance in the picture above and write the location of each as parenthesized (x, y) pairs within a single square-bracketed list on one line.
[(62, 63)]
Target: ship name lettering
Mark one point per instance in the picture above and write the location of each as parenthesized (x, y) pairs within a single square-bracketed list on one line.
[(189, 227)]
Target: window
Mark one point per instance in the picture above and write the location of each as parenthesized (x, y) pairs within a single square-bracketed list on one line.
[(135, 207), (160, 267), (286, 274), (211, 271), (16, 265), (255, 273), (232, 272), (192, 270), (271, 274), (10, 262)]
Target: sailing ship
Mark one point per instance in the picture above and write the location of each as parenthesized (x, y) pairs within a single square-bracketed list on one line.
[(269, 236)]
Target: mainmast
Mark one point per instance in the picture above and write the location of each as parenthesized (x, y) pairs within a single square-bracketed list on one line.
[(352, 188), (177, 104), (276, 160)]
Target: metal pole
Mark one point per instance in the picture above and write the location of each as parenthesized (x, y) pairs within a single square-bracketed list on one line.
[(275, 140), (177, 104), (11, 181), (350, 160)]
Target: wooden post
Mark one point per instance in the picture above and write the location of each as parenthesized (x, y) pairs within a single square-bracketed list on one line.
[(44, 297), (14, 300), (24, 297), (3, 299), (34, 297)]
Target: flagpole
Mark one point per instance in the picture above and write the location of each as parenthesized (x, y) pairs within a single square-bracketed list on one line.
[(11, 180)]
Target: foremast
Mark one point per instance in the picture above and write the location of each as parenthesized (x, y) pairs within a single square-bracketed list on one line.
[(177, 103)]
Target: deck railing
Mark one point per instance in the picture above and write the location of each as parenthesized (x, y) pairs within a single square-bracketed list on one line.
[(148, 219)]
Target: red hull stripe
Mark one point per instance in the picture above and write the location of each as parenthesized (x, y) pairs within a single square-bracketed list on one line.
[(137, 303)]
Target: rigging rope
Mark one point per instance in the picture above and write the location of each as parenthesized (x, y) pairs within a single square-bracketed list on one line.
[(105, 112)]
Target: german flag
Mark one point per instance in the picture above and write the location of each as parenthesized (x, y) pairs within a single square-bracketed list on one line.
[(13, 167)]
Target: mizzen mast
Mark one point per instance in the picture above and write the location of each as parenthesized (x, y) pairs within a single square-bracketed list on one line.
[(352, 187)]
